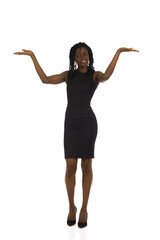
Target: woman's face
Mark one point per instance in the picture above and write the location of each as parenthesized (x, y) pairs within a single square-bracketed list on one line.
[(82, 57)]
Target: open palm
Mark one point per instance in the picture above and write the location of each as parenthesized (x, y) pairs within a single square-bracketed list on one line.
[(124, 49), (25, 52)]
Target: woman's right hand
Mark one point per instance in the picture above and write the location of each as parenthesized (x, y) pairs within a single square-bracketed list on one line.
[(25, 52)]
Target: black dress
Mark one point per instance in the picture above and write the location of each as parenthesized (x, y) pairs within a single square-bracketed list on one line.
[(80, 125)]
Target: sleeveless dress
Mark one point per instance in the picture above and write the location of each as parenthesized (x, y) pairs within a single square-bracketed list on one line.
[(80, 125)]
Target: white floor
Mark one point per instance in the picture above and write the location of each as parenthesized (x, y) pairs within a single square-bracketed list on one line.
[(122, 205)]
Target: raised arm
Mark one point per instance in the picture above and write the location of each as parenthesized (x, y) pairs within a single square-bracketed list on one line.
[(54, 79), (58, 78), (101, 77)]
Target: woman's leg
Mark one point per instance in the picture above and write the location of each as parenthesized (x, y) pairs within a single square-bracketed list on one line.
[(87, 178), (71, 167)]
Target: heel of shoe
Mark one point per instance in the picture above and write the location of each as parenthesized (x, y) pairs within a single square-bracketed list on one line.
[(82, 224), (71, 222)]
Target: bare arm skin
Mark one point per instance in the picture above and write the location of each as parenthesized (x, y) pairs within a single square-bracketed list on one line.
[(58, 78), (38, 68), (54, 79), (102, 77)]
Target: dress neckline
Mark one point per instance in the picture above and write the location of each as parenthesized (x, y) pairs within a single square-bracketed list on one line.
[(82, 72)]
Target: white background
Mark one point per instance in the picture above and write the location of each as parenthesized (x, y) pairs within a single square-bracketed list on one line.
[(124, 198)]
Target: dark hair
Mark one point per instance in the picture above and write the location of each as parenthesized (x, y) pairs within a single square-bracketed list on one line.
[(73, 49)]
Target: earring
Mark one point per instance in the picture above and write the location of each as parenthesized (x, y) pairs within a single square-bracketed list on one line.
[(88, 62), (75, 65)]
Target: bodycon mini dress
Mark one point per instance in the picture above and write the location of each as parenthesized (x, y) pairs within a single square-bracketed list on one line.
[(80, 125)]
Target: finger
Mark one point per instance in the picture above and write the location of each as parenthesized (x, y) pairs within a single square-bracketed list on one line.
[(17, 53), (135, 50), (26, 50)]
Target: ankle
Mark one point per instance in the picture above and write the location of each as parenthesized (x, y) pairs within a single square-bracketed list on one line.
[(83, 209), (72, 208)]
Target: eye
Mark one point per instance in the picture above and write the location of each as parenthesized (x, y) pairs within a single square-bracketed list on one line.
[(85, 53)]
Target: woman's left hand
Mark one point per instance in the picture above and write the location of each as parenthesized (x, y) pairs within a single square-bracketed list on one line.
[(123, 49)]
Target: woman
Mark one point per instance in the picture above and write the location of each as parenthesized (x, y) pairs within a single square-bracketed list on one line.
[(80, 126)]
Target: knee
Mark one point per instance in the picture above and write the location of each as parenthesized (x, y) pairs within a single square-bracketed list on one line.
[(71, 167), (71, 170), (86, 165)]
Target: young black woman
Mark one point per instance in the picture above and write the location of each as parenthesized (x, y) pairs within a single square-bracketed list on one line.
[(80, 121)]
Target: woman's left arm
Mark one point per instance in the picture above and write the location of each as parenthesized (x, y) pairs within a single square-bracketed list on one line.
[(105, 76)]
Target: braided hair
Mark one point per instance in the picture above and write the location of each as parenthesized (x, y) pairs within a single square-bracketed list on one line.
[(72, 66)]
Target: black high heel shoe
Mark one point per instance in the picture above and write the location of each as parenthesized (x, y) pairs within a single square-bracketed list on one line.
[(82, 224), (71, 222)]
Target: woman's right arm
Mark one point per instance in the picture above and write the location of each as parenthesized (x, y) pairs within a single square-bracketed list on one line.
[(58, 78), (54, 79)]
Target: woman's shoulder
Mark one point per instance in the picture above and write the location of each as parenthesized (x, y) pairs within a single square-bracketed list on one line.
[(65, 73), (95, 77)]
